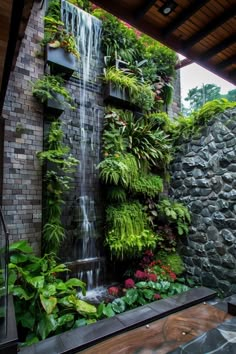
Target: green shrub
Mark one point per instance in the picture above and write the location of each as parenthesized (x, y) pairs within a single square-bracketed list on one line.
[(148, 185), (127, 233), (45, 305), (173, 260)]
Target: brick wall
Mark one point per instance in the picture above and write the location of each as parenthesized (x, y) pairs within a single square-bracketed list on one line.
[(22, 178)]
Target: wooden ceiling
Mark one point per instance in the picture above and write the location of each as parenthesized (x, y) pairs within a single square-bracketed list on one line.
[(14, 15), (201, 30)]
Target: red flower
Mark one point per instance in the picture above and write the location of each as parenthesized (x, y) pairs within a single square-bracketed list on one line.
[(157, 296), (113, 290), (152, 277), (173, 275), (140, 275), (129, 283)]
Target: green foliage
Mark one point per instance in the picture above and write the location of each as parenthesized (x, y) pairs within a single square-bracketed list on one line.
[(173, 260), (190, 126), (56, 183), (159, 120), (148, 185), (54, 32), (210, 110), (118, 169), (45, 305), (161, 59), (83, 4), (48, 87), (116, 194), (175, 214), (139, 94), (199, 96), (118, 40), (57, 152), (148, 145), (144, 56), (127, 234)]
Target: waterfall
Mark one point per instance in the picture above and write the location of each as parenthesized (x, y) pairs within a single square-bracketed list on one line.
[(87, 31)]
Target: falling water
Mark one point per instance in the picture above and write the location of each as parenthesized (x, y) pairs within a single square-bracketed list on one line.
[(87, 31)]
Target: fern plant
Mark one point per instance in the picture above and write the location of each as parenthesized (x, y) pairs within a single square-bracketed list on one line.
[(116, 194), (48, 87), (148, 185), (118, 169), (175, 213), (56, 183), (127, 233), (139, 94)]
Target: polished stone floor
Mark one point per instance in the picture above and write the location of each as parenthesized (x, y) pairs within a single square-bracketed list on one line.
[(167, 334)]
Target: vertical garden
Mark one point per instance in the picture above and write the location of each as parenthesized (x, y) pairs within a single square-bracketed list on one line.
[(142, 225)]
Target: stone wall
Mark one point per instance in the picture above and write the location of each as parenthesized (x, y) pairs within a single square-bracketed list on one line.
[(22, 191), (204, 175)]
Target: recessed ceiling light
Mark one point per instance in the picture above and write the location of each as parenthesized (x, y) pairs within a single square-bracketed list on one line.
[(167, 8)]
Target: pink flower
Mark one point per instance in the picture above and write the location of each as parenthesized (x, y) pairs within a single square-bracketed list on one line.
[(157, 296), (129, 283), (113, 290), (152, 277), (140, 275), (173, 275)]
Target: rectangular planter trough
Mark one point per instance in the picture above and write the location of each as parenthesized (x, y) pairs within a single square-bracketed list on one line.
[(60, 61)]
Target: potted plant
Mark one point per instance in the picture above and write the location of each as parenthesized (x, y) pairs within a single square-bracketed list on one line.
[(61, 48), (50, 91), (124, 89)]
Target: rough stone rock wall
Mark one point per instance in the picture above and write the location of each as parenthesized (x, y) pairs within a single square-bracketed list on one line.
[(22, 177), (204, 178)]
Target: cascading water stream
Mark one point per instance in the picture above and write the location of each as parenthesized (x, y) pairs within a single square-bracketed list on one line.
[(87, 31)]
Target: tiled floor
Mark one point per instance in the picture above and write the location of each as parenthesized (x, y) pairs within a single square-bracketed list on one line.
[(165, 334)]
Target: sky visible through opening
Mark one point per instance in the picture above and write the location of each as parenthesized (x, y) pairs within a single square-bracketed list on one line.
[(194, 75)]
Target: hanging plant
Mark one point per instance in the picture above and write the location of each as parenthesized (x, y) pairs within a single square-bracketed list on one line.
[(50, 87)]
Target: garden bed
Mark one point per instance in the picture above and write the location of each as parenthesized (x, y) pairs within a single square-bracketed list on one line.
[(84, 337)]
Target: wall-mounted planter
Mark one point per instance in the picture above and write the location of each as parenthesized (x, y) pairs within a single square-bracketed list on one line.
[(60, 61), (55, 106), (117, 96)]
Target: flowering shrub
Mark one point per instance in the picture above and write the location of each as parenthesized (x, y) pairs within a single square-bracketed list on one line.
[(129, 283), (113, 290)]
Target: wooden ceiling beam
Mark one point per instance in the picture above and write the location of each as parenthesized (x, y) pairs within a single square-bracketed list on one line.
[(227, 62), (210, 27), (183, 16), (144, 9), (219, 47)]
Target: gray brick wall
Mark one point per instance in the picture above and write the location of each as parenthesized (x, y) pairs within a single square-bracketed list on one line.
[(22, 177)]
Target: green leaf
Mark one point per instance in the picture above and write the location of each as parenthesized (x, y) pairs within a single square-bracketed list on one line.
[(141, 284), (84, 308), (80, 322), (22, 293), (118, 305), (74, 282), (65, 319), (27, 319), (36, 282), (48, 290), (18, 258), (48, 304), (68, 301), (131, 296), (108, 311), (165, 285), (31, 339), (22, 246), (46, 325), (148, 294)]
